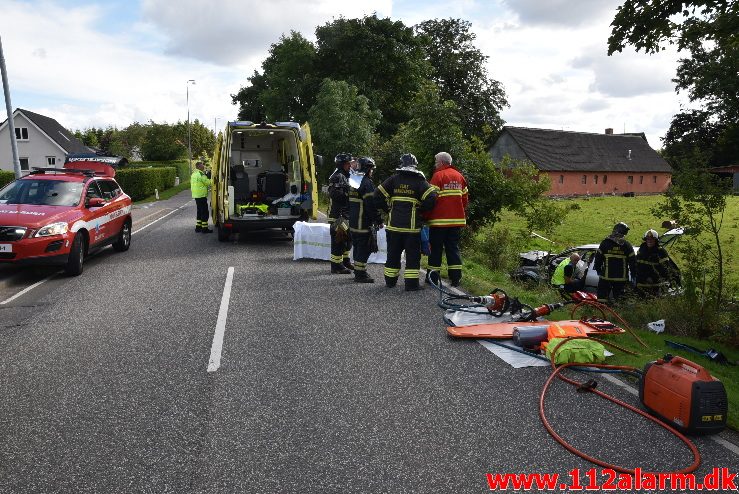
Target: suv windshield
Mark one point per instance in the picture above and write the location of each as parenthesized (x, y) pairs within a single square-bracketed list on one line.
[(42, 193)]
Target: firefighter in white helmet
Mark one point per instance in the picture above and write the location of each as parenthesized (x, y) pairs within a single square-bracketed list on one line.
[(652, 265)]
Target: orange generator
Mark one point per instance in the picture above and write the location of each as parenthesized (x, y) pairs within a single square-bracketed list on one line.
[(685, 395)]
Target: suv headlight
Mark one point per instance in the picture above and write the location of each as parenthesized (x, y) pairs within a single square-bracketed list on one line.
[(53, 229)]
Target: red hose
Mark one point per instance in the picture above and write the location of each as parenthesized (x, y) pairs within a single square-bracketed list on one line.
[(572, 449)]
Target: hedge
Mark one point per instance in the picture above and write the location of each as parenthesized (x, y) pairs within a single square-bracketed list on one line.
[(141, 182), (6, 177), (183, 169)]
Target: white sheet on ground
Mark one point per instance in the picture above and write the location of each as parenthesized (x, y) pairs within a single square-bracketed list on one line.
[(313, 241)]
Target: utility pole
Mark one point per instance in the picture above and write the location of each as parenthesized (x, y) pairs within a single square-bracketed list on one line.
[(189, 142), (9, 109)]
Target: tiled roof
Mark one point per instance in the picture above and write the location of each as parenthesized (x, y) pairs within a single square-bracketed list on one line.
[(557, 150), (55, 131)]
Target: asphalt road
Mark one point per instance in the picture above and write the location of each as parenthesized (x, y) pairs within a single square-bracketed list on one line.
[(325, 385)]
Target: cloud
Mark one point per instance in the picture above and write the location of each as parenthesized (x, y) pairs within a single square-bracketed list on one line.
[(593, 104), (234, 31), (561, 13), (627, 74)]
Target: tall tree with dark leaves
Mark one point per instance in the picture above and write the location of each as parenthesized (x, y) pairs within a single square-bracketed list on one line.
[(381, 57), (707, 30), (459, 69), (248, 99)]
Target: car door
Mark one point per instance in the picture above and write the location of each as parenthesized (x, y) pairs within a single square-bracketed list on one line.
[(97, 226), (116, 207)]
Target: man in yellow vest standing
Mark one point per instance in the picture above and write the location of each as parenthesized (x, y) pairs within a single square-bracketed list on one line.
[(199, 183)]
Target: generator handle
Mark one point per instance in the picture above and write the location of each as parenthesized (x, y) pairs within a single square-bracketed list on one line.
[(701, 372)]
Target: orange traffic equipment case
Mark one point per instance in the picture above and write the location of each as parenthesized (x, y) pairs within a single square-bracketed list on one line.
[(685, 395)]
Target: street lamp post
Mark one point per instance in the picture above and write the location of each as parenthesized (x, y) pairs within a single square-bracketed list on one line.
[(189, 143)]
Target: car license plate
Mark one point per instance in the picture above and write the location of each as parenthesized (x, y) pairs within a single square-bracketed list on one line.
[(6, 247)]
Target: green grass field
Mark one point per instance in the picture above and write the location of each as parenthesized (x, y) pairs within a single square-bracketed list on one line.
[(596, 216)]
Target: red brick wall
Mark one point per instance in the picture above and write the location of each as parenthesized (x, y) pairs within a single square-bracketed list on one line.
[(570, 183)]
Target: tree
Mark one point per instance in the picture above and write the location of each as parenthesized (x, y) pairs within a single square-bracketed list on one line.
[(694, 131), (248, 98), (128, 142), (341, 121), (697, 201), (381, 57), (290, 83), (164, 142), (458, 69)]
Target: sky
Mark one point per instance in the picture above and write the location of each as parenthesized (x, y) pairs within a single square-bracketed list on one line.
[(101, 63)]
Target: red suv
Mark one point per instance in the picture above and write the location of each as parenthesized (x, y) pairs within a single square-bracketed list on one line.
[(57, 216)]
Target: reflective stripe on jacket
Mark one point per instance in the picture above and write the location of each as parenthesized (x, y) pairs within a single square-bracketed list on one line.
[(451, 203), (651, 265), (403, 195), (615, 259), (362, 210), (199, 184)]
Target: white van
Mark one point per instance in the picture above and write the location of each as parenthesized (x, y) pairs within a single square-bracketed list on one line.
[(264, 176)]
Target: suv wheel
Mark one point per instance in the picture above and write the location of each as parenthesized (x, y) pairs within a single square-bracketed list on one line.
[(124, 238), (76, 255)]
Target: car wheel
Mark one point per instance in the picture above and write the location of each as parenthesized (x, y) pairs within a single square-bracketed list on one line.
[(76, 255), (223, 234), (124, 238)]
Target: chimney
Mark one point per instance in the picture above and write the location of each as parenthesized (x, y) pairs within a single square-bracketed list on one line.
[(609, 131)]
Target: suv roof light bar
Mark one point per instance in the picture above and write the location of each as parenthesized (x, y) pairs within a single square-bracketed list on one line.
[(39, 170)]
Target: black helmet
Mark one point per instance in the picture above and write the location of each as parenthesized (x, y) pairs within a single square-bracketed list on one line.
[(365, 164), (408, 161), (342, 158), (620, 229)]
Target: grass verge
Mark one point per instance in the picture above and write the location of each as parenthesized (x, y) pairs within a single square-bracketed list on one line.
[(166, 194)]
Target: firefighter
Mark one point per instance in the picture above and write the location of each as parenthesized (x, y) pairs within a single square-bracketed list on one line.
[(199, 183), (614, 262), (405, 196), (652, 264), (362, 216), (447, 218), (338, 214)]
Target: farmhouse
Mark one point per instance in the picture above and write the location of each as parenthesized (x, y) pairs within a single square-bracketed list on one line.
[(580, 163), (41, 141)]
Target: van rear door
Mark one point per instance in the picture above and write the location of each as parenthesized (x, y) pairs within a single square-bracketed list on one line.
[(309, 168)]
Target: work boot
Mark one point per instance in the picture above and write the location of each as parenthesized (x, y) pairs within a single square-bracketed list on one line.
[(337, 268), (363, 277), (390, 282), (412, 285), (206, 230), (456, 282), (198, 229), (348, 264)]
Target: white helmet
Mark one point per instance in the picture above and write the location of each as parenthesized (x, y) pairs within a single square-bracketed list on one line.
[(651, 233)]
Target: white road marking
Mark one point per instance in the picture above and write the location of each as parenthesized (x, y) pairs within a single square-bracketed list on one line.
[(39, 283), (28, 289), (158, 219), (215, 350)]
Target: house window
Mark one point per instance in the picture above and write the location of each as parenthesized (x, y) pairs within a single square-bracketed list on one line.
[(584, 179), (21, 133), (630, 179), (605, 178), (641, 179), (595, 179), (51, 160), (561, 179), (24, 163), (654, 179)]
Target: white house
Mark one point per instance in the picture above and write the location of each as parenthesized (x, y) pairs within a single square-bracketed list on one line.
[(41, 140)]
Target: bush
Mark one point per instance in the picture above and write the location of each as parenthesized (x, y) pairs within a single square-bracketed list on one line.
[(141, 182), (6, 178), (495, 247), (183, 168)]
